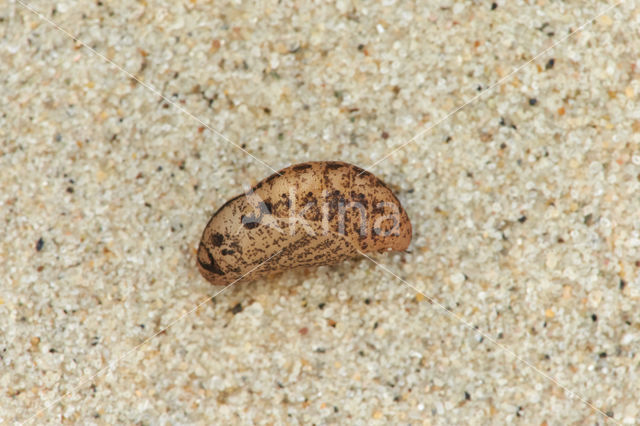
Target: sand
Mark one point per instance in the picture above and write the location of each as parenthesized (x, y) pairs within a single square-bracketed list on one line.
[(519, 298)]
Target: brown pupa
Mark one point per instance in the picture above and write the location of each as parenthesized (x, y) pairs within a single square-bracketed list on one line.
[(308, 214)]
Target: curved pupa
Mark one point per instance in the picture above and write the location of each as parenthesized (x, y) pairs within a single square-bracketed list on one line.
[(308, 214)]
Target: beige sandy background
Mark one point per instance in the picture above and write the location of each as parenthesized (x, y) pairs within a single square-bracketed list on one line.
[(525, 206)]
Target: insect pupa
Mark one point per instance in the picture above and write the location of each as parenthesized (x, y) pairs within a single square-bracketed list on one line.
[(308, 214)]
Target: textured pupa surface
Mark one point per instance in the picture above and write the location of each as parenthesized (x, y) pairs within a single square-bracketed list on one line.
[(308, 214)]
